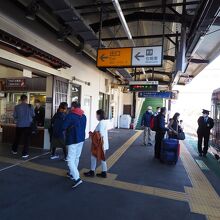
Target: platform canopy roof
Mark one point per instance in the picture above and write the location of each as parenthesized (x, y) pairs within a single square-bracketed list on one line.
[(189, 31)]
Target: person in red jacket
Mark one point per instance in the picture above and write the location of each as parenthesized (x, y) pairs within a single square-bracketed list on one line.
[(75, 126)]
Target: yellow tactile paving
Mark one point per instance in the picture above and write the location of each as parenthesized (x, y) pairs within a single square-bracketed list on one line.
[(102, 181), (9, 160), (110, 181), (148, 190), (180, 196), (118, 153), (45, 169), (202, 197), (212, 218)]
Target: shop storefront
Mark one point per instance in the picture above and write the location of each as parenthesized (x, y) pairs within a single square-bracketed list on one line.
[(11, 90)]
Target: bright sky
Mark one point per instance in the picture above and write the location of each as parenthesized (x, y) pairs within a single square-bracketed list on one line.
[(197, 94)]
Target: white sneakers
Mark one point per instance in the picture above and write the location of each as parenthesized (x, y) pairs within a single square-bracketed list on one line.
[(23, 156), (14, 152), (54, 157)]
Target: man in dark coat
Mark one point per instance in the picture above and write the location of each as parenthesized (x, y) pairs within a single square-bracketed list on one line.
[(160, 131), (205, 125)]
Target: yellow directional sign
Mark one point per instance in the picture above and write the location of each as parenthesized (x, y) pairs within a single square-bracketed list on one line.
[(114, 57), (150, 56)]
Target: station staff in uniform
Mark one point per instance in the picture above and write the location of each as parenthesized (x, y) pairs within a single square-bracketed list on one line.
[(205, 124)]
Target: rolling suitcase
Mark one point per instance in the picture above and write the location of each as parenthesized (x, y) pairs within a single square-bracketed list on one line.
[(170, 151)]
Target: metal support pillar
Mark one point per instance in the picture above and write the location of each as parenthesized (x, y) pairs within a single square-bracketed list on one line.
[(100, 27), (164, 11), (181, 51), (134, 95)]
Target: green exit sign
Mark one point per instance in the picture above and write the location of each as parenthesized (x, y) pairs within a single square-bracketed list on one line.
[(143, 88)]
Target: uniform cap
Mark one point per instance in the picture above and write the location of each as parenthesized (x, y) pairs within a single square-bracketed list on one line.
[(204, 111)]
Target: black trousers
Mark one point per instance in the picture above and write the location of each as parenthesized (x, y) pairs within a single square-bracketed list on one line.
[(58, 142), (25, 135), (205, 137), (158, 142)]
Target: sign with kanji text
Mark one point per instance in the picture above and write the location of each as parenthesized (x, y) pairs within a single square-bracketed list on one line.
[(147, 56), (161, 95), (130, 57), (114, 57), (15, 83)]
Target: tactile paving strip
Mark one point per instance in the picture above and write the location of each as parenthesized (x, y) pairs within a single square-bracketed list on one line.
[(203, 198)]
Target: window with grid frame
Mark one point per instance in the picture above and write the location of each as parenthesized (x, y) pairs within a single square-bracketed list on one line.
[(61, 93), (104, 104)]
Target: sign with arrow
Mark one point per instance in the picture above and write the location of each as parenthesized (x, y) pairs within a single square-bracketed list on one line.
[(130, 57), (114, 57), (147, 56), (138, 56)]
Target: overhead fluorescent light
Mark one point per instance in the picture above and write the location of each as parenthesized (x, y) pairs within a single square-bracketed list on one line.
[(124, 23), (17, 47), (122, 18)]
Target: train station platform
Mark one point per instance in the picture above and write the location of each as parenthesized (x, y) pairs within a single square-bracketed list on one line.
[(138, 186)]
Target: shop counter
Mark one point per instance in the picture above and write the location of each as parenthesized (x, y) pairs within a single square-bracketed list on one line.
[(8, 135)]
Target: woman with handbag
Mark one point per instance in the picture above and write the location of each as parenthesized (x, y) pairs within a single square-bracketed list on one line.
[(176, 131)]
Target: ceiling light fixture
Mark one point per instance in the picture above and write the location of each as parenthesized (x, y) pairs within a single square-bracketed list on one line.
[(122, 18), (124, 24), (16, 47)]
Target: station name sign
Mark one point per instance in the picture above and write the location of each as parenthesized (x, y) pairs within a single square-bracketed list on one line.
[(130, 57), (162, 94)]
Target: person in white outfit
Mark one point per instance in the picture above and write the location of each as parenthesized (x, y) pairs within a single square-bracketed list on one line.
[(102, 127)]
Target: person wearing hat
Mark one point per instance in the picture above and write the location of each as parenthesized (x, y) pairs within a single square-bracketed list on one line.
[(145, 123), (205, 124)]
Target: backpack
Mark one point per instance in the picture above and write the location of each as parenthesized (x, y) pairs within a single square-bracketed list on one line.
[(153, 123)]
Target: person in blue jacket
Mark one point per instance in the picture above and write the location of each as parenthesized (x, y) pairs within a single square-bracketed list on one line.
[(160, 131), (145, 123), (23, 116), (57, 133), (75, 126)]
